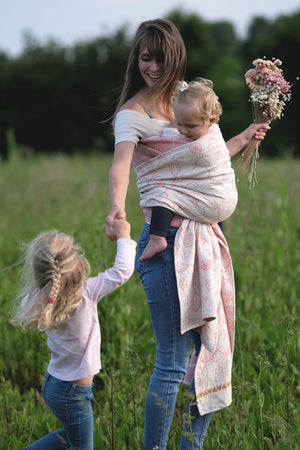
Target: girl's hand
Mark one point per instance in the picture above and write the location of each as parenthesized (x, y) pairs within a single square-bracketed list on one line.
[(116, 213), (121, 228)]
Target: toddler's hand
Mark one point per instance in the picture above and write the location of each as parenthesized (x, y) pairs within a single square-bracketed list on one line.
[(121, 228)]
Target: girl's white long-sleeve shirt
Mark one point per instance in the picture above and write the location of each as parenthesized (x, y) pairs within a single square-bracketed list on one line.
[(75, 345)]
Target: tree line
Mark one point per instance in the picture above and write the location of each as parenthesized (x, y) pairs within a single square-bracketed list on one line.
[(56, 98)]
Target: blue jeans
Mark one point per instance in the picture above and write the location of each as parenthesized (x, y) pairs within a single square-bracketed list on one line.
[(172, 351), (71, 404)]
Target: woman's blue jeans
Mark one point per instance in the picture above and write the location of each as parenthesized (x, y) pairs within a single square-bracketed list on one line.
[(71, 404), (172, 351)]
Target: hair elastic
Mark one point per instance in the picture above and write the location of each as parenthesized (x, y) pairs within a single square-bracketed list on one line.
[(50, 300), (184, 86)]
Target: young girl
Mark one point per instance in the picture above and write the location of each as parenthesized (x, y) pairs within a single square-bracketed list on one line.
[(59, 299), (196, 109)]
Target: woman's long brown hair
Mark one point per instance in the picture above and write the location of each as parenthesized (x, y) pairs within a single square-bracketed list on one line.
[(163, 41)]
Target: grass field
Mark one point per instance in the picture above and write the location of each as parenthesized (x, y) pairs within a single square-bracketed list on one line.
[(71, 194)]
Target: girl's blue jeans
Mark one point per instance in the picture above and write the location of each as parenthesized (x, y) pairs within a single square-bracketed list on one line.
[(172, 352), (71, 404)]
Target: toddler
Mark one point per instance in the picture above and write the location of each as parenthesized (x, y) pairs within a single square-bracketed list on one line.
[(196, 109)]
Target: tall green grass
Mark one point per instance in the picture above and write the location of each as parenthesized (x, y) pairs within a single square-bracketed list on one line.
[(71, 194)]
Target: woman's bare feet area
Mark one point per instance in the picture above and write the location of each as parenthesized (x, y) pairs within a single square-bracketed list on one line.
[(155, 245)]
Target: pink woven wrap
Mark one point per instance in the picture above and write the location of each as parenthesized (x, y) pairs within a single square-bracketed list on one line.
[(207, 303), (197, 182)]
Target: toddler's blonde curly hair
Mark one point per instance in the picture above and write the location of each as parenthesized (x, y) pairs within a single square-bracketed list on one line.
[(201, 93)]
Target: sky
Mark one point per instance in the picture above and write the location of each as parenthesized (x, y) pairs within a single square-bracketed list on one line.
[(72, 21)]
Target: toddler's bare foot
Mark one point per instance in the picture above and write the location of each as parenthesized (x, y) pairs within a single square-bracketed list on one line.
[(155, 245)]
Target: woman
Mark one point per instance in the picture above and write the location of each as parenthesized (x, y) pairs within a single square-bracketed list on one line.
[(158, 59)]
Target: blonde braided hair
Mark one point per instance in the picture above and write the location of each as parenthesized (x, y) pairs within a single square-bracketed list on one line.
[(56, 281), (54, 271)]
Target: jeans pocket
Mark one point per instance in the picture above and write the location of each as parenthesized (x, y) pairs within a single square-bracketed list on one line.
[(79, 408)]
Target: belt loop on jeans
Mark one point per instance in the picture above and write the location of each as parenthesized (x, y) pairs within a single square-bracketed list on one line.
[(72, 389), (47, 376)]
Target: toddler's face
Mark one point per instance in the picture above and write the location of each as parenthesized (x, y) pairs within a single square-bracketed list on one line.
[(187, 122)]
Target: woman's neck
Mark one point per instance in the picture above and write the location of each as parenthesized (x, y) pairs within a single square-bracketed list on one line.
[(157, 107)]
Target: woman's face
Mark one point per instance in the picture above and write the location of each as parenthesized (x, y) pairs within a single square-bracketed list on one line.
[(151, 70)]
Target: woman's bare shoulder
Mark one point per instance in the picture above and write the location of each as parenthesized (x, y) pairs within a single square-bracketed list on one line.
[(133, 105)]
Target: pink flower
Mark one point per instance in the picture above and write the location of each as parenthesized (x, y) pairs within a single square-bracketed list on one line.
[(267, 73), (278, 80)]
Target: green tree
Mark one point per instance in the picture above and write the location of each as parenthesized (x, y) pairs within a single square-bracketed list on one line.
[(225, 37), (5, 123), (227, 75), (202, 51), (57, 98)]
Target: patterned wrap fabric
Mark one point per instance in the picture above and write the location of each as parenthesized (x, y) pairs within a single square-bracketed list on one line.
[(197, 182)]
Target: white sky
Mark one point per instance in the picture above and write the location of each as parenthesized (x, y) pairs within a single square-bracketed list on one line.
[(70, 21)]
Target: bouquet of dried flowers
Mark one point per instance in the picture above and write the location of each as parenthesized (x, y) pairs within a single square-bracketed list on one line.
[(269, 94)]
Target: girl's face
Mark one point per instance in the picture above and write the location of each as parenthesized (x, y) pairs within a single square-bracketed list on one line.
[(187, 122), (151, 70)]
